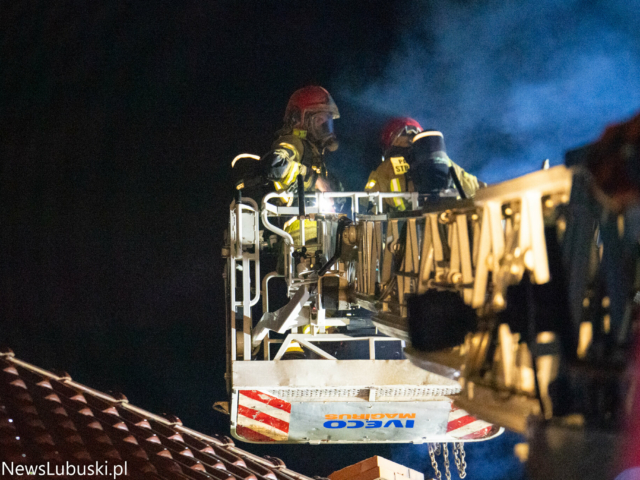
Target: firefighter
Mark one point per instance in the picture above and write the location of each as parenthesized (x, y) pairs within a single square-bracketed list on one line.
[(306, 135), (415, 160), (302, 141)]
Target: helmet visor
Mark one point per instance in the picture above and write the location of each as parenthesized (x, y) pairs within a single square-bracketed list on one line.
[(320, 125)]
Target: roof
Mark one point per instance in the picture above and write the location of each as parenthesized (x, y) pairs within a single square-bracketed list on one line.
[(47, 418)]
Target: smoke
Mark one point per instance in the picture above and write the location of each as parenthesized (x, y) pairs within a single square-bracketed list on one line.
[(508, 83), (490, 460)]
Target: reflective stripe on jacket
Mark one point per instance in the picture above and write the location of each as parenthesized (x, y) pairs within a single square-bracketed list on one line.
[(384, 179)]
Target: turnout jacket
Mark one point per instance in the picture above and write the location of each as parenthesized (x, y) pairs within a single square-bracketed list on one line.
[(393, 175)]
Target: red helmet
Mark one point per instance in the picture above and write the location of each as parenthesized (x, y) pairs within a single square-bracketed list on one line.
[(396, 127), (309, 100)]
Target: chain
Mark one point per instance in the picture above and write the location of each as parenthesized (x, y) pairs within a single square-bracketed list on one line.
[(458, 455), (461, 464), (445, 451), (434, 463)]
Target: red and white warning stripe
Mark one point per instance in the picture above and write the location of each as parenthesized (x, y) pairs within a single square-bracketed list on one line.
[(464, 426), (262, 417)]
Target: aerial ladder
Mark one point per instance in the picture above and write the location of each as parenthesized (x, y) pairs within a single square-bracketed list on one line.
[(440, 324), (350, 381)]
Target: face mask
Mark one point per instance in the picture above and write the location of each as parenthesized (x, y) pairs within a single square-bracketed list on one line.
[(320, 126), (331, 144)]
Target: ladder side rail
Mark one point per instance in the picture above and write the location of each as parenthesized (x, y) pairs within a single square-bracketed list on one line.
[(255, 256), (232, 308), (246, 309), (231, 262), (242, 254)]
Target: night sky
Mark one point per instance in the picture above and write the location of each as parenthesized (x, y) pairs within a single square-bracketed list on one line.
[(119, 120)]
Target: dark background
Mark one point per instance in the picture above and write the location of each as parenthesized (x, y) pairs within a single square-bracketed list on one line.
[(119, 120)]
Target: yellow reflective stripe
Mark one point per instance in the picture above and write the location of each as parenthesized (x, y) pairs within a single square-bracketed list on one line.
[(395, 187), (300, 133), (278, 186), (371, 184), (288, 146), (293, 173)]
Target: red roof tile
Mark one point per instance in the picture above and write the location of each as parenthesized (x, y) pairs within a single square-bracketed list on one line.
[(47, 417)]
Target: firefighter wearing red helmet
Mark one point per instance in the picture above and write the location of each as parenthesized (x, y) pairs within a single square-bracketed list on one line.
[(306, 135), (415, 160)]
